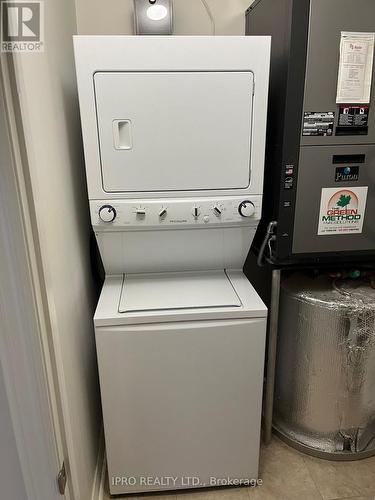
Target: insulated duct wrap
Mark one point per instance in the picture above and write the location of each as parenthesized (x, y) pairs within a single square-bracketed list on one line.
[(325, 375)]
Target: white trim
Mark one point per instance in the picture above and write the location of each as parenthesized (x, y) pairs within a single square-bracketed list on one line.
[(100, 470), (102, 495), (26, 359)]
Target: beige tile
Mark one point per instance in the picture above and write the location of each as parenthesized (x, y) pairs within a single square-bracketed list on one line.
[(359, 498), (290, 475), (276, 452), (149, 496), (284, 475), (154, 496), (363, 474), (342, 479), (287, 488), (239, 493)]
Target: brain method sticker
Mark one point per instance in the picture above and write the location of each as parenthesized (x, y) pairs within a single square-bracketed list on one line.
[(342, 210)]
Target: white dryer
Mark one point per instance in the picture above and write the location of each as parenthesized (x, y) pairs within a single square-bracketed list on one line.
[(174, 133)]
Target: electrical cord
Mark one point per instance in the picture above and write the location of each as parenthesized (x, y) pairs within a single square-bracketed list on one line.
[(209, 13), (270, 249), (267, 241)]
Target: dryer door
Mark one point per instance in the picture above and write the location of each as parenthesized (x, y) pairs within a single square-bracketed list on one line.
[(174, 131)]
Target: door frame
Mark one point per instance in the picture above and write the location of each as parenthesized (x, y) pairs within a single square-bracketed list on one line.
[(27, 361)]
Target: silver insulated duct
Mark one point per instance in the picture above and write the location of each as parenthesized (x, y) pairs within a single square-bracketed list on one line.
[(325, 375)]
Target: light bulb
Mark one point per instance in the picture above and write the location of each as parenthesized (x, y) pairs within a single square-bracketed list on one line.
[(157, 12)]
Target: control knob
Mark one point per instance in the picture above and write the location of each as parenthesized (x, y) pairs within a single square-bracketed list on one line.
[(107, 213), (196, 212), (217, 210), (140, 212), (246, 208)]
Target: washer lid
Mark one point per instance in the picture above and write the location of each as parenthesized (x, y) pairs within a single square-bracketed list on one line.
[(171, 291)]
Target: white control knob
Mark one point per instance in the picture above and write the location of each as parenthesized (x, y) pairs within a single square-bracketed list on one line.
[(246, 208), (107, 213)]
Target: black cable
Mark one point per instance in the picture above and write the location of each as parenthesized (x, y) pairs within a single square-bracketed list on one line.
[(268, 237)]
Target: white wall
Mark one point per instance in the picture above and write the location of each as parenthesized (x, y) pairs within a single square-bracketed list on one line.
[(11, 479), (46, 85), (115, 17)]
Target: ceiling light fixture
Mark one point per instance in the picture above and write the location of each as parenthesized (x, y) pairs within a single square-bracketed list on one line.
[(153, 17), (157, 12)]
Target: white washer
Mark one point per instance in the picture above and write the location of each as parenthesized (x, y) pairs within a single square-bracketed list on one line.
[(174, 134), (181, 369)]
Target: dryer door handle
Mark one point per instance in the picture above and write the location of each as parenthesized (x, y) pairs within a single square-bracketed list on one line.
[(122, 134)]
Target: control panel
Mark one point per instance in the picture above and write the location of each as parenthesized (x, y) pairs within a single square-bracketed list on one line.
[(172, 213)]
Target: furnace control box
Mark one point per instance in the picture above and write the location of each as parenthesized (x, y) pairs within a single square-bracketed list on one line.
[(320, 157)]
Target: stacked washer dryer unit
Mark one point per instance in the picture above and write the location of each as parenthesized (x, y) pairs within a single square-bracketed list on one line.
[(174, 136)]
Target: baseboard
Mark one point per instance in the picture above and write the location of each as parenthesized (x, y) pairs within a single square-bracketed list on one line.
[(98, 485)]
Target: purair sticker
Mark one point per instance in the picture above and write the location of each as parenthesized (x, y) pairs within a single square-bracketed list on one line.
[(342, 210), (345, 174)]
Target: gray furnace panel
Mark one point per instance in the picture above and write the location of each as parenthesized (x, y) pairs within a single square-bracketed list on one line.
[(327, 20), (329, 167)]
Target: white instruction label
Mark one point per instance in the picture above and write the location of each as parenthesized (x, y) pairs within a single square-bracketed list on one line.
[(355, 68), (342, 210)]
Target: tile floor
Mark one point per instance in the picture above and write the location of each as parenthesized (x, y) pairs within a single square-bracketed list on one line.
[(290, 475)]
